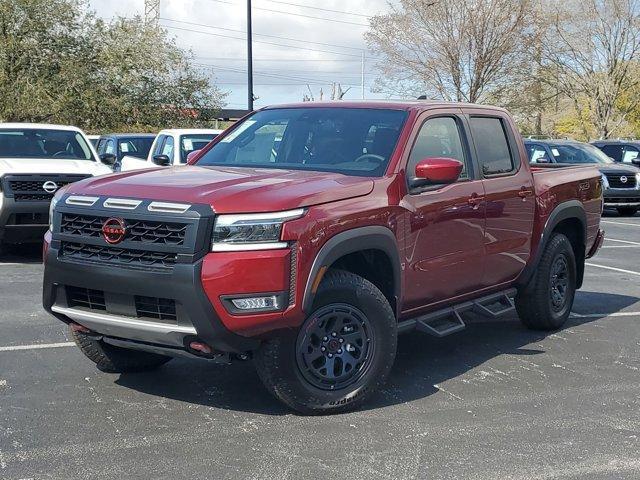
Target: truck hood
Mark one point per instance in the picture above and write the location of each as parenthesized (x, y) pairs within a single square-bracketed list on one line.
[(619, 168), (229, 189), (51, 165)]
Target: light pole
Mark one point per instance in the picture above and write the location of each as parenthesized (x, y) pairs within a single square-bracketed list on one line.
[(249, 59)]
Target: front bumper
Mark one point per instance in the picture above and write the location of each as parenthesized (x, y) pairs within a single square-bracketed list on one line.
[(196, 317), (22, 222), (622, 197)]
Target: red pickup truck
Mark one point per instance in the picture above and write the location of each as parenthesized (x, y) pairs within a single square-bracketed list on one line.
[(308, 236)]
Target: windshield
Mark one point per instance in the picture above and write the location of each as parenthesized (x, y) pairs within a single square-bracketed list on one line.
[(192, 142), (578, 153), (351, 141), (135, 146), (43, 143)]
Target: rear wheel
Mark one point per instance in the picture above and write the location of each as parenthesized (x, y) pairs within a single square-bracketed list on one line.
[(545, 304), (342, 353), (112, 359), (627, 211)]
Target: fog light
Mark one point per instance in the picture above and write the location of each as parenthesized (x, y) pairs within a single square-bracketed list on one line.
[(257, 303)]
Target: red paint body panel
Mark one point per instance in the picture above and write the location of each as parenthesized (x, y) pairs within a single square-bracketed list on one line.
[(456, 242)]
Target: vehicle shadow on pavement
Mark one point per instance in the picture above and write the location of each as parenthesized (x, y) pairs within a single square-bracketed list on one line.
[(27, 253), (422, 362)]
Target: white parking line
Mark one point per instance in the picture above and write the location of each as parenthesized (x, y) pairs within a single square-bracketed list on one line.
[(11, 264), (598, 315), (622, 241), (620, 223), (613, 268), (621, 246), (36, 346)]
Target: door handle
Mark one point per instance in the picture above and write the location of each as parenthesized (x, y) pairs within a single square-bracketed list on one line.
[(475, 200), (524, 193)]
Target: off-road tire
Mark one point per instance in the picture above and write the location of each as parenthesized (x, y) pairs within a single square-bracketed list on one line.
[(112, 359), (277, 362), (534, 303), (627, 211)]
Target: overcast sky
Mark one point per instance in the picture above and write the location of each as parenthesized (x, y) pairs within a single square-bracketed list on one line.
[(281, 72)]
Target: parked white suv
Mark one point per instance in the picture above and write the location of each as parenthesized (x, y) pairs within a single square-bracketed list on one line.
[(171, 147), (35, 161)]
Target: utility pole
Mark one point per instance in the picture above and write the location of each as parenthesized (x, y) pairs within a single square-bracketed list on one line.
[(249, 59), (152, 12)]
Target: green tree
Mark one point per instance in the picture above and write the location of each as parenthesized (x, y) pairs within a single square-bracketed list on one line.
[(58, 63)]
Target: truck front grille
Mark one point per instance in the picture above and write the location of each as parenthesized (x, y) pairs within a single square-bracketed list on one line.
[(139, 231), (615, 180), (30, 188), (117, 256), (85, 298), (163, 309)]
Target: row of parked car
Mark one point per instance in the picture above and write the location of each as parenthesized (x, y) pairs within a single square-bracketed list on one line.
[(617, 160), (38, 159), (132, 151)]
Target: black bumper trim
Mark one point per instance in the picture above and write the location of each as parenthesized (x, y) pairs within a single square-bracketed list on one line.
[(182, 284)]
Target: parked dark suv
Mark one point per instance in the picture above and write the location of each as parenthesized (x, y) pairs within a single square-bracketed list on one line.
[(621, 151), (621, 182)]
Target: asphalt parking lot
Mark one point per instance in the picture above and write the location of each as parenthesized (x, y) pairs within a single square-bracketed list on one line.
[(495, 401)]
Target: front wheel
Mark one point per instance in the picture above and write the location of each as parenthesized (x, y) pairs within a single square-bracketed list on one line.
[(341, 354), (545, 304), (627, 211)]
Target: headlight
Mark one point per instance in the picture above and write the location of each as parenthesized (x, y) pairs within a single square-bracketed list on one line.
[(605, 182), (52, 206), (256, 231), (638, 180)]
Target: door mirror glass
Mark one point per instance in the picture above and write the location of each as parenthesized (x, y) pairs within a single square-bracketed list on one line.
[(437, 171), (161, 160)]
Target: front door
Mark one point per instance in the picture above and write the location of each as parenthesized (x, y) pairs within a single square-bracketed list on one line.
[(444, 234)]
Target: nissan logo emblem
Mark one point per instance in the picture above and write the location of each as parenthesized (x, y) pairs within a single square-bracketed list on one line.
[(49, 186), (623, 179), (114, 230)]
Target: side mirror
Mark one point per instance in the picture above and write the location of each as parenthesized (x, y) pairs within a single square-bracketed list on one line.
[(436, 171), (192, 155), (636, 161), (161, 160), (543, 160), (108, 159)]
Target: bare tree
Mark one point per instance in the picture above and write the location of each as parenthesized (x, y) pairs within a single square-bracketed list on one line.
[(594, 47), (460, 50)]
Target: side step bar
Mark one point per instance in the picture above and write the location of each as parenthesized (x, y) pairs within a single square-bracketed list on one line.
[(449, 320)]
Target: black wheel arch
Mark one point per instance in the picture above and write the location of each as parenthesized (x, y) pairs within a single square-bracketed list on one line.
[(570, 219), (352, 241)]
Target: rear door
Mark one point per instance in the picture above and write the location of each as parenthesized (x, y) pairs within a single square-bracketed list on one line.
[(510, 200), (444, 237)]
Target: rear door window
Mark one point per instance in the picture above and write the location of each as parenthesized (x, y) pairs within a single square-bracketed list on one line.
[(492, 145)]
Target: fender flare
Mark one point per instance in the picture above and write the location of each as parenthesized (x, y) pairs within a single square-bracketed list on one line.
[(351, 241), (571, 209)]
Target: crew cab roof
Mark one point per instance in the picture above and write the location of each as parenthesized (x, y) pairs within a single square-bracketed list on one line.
[(187, 131), (386, 104), (40, 126), (129, 135)]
